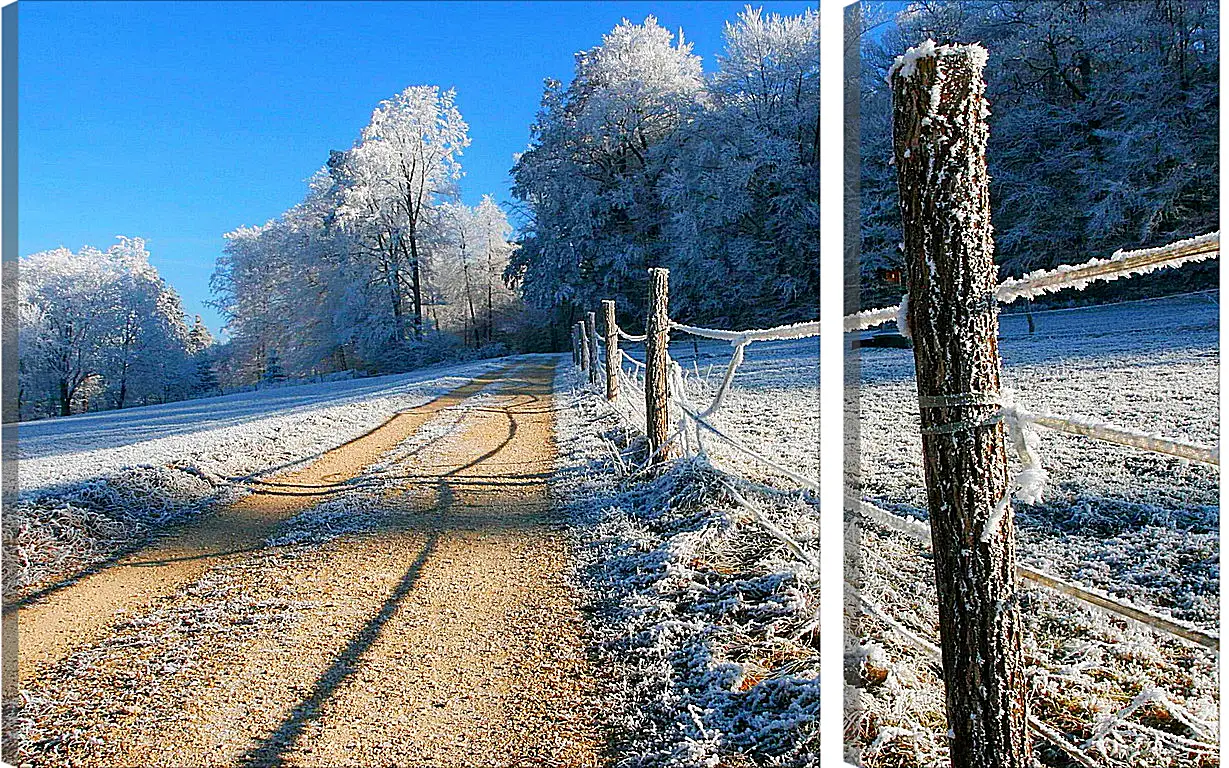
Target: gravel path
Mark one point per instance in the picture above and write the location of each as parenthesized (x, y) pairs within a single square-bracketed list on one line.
[(444, 634)]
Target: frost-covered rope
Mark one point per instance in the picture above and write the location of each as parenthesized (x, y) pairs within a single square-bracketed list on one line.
[(1139, 615), (1121, 264), (1056, 738), (631, 359), (1085, 427), (735, 360), (629, 337), (678, 393), (920, 531), (929, 648), (869, 318), (1078, 276), (740, 340), (779, 333)]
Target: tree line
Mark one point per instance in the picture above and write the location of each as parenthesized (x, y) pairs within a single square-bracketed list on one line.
[(102, 329), (641, 160)]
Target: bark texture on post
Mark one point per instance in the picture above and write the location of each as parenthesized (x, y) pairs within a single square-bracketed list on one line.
[(612, 349), (657, 364), (940, 133), (594, 362)]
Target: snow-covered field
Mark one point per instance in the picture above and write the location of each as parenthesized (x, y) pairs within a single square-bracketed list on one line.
[(1140, 526), (93, 484)]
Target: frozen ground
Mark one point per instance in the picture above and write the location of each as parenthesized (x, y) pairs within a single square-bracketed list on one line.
[(94, 484), (1140, 526)]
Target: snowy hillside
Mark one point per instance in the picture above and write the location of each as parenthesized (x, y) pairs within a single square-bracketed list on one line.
[(297, 420)]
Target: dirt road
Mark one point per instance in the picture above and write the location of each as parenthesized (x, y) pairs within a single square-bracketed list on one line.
[(445, 633)]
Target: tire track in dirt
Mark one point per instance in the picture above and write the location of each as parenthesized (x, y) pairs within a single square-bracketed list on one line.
[(85, 610), (447, 636)]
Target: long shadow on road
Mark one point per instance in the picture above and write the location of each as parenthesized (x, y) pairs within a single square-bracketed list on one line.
[(272, 750)]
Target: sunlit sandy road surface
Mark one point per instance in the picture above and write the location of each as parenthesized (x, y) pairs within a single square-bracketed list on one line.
[(412, 609)]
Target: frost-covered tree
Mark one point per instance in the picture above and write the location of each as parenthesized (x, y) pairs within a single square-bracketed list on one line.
[(201, 349), (474, 249), (642, 161), (102, 323), (379, 264), (494, 239), (405, 164), (591, 180), (744, 184)]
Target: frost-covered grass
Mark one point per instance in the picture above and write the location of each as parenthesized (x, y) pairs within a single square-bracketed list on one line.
[(1140, 526), (708, 625), (97, 484)]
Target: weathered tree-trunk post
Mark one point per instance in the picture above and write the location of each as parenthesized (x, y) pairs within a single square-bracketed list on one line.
[(575, 351), (612, 350), (657, 365), (940, 134), (579, 328), (594, 363)]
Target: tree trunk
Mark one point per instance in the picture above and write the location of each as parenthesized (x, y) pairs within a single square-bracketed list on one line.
[(417, 286), (66, 398), (469, 297), (940, 134), (490, 296), (394, 297)]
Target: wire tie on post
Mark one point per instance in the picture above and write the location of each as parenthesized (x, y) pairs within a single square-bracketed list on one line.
[(961, 426), (956, 399)]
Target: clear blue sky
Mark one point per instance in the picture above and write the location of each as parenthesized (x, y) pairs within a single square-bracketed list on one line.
[(179, 121)]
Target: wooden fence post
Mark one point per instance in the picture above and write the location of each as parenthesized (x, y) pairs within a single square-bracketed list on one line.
[(591, 329), (657, 365), (612, 350), (575, 356), (940, 133), (583, 347)]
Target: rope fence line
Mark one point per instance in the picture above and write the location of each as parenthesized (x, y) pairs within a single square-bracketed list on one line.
[(1121, 264), (920, 532), (1078, 276), (1021, 421), (1084, 427)]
